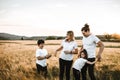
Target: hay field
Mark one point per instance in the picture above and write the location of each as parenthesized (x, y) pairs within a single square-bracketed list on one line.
[(17, 60)]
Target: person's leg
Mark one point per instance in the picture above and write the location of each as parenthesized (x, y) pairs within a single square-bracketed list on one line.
[(61, 66), (68, 68), (84, 72), (76, 74), (38, 68), (45, 71), (91, 69)]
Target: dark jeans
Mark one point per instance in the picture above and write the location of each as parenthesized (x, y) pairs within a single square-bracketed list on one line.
[(76, 74), (42, 70), (65, 66), (90, 70)]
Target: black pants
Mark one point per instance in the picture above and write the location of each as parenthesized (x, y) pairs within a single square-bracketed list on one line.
[(90, 70), (65, 66), (42, 70), (76, 74)]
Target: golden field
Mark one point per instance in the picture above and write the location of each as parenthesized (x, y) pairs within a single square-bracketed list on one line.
[(18, 62)]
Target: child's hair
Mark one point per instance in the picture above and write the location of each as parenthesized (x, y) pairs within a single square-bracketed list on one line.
[(40, 42), (85, 28), (85, 52)]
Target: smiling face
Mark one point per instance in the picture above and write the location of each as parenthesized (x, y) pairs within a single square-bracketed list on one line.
[(83, 55)]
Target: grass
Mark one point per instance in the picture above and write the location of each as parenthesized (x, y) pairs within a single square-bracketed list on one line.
[(17, 61)]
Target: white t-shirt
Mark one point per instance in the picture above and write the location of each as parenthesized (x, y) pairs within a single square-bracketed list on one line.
[(42, 53), (79, 63), (67, 46), (89, 43)]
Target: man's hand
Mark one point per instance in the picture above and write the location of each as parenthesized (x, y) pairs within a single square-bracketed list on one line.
[(99, 57)]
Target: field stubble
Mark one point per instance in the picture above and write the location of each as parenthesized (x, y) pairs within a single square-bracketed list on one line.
[(17, 61)]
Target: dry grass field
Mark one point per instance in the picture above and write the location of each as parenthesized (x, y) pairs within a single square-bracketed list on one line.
[(17, 61)]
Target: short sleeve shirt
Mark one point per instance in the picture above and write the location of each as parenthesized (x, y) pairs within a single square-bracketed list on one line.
[(79, 63), (67, 46), (89, 43), (42, 53)]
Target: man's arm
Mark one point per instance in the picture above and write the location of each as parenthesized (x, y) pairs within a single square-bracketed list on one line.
[(101, 48)]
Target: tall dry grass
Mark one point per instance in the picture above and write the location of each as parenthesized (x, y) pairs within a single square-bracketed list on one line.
[(17, 61)]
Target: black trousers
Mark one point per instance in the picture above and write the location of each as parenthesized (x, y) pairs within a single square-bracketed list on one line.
[(42, 70), (65, 67), (90, 70), (76, 74)]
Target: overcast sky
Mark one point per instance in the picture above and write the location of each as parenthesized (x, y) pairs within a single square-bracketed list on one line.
[(56, 17)]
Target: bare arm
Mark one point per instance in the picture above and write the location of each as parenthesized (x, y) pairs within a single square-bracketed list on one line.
[(80, 50), (43, 57), (91, 62), (101, 48), (75, 51), (60, 48)]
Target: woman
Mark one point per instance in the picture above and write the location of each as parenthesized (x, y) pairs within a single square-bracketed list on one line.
[(68, 47), (89, 42)]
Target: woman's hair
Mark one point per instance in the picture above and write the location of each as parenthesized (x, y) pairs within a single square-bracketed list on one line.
[(85, 28), (70, 33), (85, 52)]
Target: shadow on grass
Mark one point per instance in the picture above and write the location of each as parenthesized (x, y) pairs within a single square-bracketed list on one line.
[(45, 44), (107, 73), (9, 42)]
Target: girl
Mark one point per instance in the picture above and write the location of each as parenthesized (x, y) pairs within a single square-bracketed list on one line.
[(79, 63)]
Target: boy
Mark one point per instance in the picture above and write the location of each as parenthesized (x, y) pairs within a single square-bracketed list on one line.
[(41, 56)]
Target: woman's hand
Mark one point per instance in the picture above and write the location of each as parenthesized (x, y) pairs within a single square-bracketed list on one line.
[(67, 52), (55, 53)]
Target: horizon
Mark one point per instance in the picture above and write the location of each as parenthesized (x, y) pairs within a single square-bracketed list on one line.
[(43, 18), (115, 34)]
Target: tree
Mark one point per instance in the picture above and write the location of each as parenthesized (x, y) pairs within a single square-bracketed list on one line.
[(108, 36), (21, 38), (51, 38)]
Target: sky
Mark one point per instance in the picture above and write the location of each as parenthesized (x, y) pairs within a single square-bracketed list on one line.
[(56, 17)]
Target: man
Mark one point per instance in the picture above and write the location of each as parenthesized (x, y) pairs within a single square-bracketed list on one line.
[(89, 42)]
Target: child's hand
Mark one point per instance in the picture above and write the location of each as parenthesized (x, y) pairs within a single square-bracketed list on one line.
[(48, 56)]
